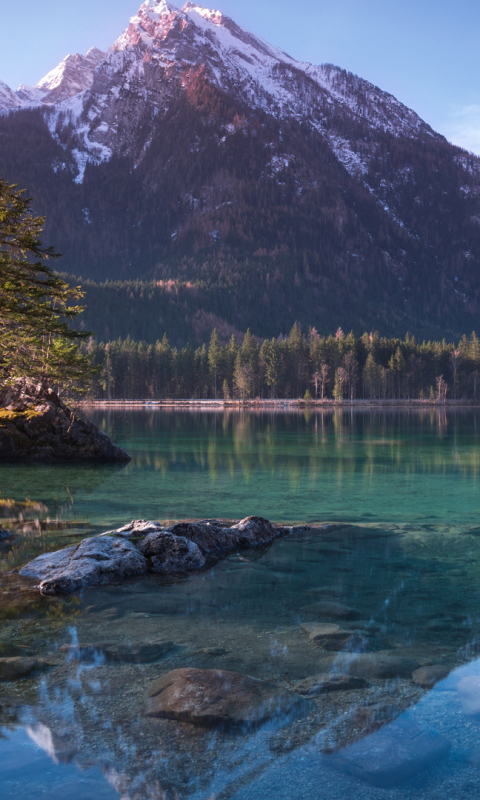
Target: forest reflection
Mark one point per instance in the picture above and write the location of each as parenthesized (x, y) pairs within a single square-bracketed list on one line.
[(300, 443)]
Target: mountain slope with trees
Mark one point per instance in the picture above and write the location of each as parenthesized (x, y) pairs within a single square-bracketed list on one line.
[(259, 189)]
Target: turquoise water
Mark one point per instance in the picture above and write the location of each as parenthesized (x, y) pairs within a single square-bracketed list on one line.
[(403, 488)]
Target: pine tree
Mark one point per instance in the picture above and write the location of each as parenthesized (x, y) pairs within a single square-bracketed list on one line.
[(214, 358), (36, 340)]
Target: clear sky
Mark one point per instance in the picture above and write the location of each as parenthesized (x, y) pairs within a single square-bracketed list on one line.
[(425, 52)]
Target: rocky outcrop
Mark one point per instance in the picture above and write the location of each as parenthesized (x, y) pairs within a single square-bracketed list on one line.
[(143, 546), (95, 561), (170, 553), (215, 698), (36, 426)]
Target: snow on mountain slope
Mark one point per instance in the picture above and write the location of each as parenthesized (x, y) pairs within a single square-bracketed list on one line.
[(73, 75), (8, 98), (108, 96)]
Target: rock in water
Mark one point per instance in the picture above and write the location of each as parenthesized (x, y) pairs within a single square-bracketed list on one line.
[(123, 653), (170, 553), (333, 637), (95, 561), (376, 665), (325, 608), (16, 667), (212, 537), (392, 754), (330, 682), (429, 676), (216, 698), (38, 426)]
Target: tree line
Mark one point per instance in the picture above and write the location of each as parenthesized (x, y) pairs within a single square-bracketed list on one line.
[(299, 365)]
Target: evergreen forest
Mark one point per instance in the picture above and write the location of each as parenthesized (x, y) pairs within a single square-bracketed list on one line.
[(308, 366)]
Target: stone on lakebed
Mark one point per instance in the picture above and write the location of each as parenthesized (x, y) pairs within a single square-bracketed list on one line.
[(392, 754), (16, 667), (123, 653), (429, 676), (331, 636), (330, 682), (376, 665), (216, 698), (325, 608)]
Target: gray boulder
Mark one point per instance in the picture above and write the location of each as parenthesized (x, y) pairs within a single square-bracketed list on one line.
[(216, 698), (37, 426), (136, 529), (95, 561), (212, 537), (170, 553)]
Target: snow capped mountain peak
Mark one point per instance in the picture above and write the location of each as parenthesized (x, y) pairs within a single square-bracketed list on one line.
[(213, 16), (74, 74)]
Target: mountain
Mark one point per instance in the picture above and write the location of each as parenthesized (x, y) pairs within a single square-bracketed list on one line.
[(258, 188)]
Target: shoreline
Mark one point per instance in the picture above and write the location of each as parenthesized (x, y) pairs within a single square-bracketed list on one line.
[(280, 405)]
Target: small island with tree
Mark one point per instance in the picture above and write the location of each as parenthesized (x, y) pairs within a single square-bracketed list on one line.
[(40, 356)]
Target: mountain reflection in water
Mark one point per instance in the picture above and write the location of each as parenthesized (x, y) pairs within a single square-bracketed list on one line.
[(407, 565)]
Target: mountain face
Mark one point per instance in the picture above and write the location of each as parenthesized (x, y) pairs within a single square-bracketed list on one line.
[(195, 153)]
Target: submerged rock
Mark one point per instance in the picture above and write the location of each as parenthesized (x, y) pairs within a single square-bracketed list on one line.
[(16, 667), (333, 637), (330, 682), (377, 665), (212, 698), (122, 653), (93, 562), (37, 426), (325, 608), (429, 676), (392, 754), (170, 553)]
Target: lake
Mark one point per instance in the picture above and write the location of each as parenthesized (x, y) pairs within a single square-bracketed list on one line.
[(396, 570)]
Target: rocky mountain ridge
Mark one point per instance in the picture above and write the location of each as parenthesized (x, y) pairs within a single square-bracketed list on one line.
[(194, 152)]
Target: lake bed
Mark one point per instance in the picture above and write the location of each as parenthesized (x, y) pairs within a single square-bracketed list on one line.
[(402, 489)]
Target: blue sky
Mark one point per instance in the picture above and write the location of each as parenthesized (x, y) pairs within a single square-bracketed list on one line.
[(425, 52)]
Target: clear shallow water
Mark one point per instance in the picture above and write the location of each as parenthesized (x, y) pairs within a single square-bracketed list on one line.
[(408, 485)]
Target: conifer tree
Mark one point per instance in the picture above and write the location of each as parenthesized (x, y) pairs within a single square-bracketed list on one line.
[(36, 340)]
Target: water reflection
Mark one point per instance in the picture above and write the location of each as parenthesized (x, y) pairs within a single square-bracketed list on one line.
[(407, 596), (394, 592)]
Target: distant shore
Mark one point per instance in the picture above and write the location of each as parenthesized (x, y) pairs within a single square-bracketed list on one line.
[(323, 405)]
